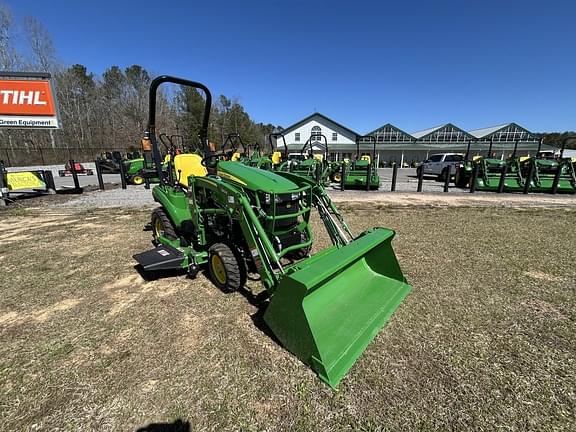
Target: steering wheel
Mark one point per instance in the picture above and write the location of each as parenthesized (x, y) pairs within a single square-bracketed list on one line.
[(210, 161)]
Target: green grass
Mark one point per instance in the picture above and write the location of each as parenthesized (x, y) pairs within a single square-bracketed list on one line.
[(486, 340)]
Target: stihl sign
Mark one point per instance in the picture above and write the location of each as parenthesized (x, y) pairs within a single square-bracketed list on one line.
[(27, 104)]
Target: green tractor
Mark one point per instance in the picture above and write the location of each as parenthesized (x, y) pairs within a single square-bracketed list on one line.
[(234, 220), (312, 166), (357, 172), (250, 155), (542, 174)]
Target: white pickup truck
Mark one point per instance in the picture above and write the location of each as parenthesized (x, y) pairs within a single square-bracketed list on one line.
[(437, 165)]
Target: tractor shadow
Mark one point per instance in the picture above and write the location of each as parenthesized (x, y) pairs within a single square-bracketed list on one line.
[(177, 426), (150, 276)]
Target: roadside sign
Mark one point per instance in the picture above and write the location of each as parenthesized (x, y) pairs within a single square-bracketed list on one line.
[(28, 101)]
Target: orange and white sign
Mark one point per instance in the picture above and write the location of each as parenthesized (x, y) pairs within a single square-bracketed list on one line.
[(27, 104)]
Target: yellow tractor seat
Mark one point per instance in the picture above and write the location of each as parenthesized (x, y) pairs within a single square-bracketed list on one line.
[(365, 158), (319, 157), (523, 158), (235, 156), (188, 164), (476, 157), (276, 157)]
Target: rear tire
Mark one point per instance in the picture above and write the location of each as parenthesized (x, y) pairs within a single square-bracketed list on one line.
[(136, 179), (224, 269), (162, 225)]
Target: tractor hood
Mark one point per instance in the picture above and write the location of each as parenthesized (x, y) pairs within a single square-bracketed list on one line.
[(254, 178)]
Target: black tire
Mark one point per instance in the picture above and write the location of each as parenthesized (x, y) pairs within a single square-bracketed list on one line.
[(136, 179), (225, 271), (162, 225)]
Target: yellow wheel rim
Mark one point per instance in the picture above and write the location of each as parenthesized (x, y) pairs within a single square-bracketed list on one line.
[(158, 228), (137, 180), (337, 177), (218, 269)]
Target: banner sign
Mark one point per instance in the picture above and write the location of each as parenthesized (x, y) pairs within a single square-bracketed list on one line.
[(24, 180), (29, 104)]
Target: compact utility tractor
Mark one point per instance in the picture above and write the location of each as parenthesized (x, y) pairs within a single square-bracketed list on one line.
[(362, 170), (541, 174), (251, 155), (234, 220), (311, 165)]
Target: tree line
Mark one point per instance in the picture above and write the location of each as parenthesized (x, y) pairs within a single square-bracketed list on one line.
[(110, 111)]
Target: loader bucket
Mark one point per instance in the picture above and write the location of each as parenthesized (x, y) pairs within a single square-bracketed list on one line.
[(334, 303)]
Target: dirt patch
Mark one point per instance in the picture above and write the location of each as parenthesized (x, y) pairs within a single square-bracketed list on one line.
[(534, 274)]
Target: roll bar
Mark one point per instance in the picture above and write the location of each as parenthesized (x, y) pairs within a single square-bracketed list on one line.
[(151, 129), (276, 135), (369, 138), (309, 143)]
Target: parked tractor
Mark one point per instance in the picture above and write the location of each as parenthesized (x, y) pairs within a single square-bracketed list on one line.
[(542, 174), (362, 170), (235, 220)]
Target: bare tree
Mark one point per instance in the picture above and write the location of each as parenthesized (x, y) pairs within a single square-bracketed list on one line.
[(41, 45), (10, 60)]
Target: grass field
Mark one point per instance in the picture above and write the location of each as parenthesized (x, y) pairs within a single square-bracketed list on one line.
[(485, 341)]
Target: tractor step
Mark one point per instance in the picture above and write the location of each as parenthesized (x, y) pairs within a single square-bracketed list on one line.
[(163, 257)]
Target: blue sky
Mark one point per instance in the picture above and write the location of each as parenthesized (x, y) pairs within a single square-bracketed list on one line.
[(415, 64)]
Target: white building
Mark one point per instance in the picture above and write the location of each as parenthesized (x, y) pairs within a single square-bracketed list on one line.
[(341, 140)]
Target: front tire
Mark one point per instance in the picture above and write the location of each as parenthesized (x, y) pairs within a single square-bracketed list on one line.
[(224, 269)]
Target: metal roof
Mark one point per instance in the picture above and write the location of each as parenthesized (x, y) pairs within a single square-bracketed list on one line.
[(481, 133), (420, 134)]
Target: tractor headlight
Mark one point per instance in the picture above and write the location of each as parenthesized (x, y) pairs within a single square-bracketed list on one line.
[(267, 198), (295, 196)]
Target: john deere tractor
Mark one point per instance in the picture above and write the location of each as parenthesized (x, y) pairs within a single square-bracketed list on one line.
[(541, 174), (361, 173), (233, 220)]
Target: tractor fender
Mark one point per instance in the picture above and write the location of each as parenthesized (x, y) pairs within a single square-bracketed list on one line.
[(175, 203)]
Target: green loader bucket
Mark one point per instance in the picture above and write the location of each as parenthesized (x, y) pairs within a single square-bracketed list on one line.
[(334, 303)]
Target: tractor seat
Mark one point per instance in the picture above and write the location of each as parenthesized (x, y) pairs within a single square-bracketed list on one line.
[(188, 164)]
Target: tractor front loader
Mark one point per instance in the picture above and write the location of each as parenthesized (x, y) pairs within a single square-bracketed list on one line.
[(233, 220)]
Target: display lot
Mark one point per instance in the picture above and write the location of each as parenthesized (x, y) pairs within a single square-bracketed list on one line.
[(485, 339)]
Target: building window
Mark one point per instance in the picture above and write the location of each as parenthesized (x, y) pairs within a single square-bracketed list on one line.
[(334, 136), (297, 136), (316, 131)]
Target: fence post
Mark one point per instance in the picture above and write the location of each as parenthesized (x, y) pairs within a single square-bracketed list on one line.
[(99, 174), (368, 176), (556, 180), (49, 179), (3, 186), (529, 177), (420, 179), (8, 158), (473, 178), (502, 181), (342, 175), (74, 174), (123, 175), (146, 183), (394, 176), (447, 179)]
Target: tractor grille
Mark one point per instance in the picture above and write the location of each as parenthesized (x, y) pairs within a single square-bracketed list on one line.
[(284, 204)]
